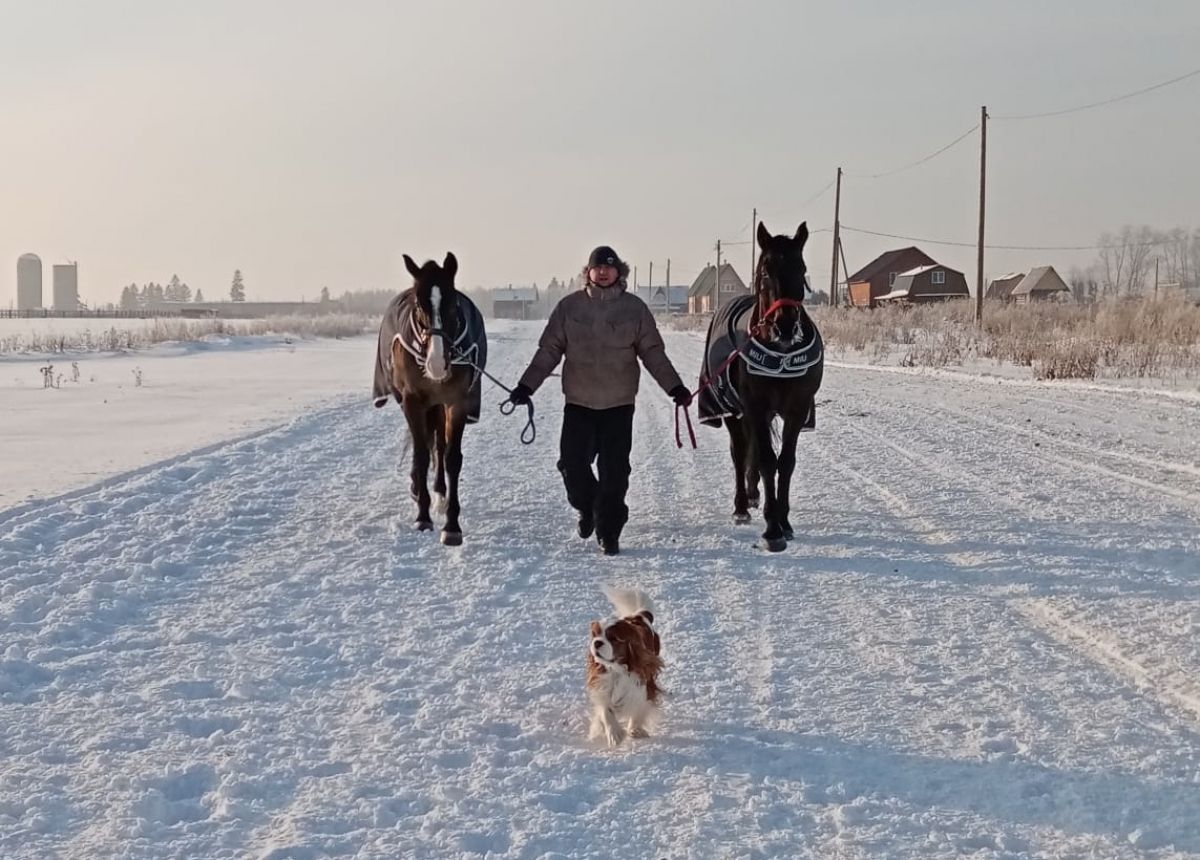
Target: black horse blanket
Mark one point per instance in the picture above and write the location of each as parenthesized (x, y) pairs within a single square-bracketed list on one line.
[(467, 347), (730, 330)]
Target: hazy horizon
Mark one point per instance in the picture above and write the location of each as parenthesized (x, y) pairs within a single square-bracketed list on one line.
[(310, 148)]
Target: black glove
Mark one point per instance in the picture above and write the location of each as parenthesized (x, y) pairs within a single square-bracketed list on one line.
[(520, 396), (681, 395)]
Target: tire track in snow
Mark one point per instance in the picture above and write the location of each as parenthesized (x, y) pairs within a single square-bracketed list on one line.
[(1014, 500), (1167, 684), (1044, 443), (1157, 677), (995, 429)]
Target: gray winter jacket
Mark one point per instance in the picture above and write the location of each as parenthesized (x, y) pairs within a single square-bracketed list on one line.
[(599, 334)]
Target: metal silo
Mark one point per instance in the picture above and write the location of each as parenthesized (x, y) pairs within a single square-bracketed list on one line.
[(66, 287), (29, 282)]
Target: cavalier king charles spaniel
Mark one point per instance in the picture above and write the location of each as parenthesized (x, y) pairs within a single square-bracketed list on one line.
[(622, 669)]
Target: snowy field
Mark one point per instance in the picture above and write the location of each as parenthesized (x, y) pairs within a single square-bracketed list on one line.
[(191, 395), (18, 335), (228, 643)]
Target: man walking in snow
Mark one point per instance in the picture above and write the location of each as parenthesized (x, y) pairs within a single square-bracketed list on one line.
[(600, 332)]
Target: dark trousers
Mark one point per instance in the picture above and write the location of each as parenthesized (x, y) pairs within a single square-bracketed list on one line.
[(604, 436)]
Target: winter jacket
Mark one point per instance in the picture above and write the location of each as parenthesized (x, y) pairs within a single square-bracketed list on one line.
[(599, 334)]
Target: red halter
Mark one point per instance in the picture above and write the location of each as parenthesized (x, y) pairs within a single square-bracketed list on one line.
[(772, 309)]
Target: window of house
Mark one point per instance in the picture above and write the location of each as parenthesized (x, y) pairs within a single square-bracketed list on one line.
[(939, 277)]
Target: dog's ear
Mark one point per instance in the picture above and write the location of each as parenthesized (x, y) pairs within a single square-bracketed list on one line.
[(596, 629), (647, 615)]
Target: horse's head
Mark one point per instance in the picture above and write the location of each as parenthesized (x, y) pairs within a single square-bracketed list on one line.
[(779, 283), (436, 314)]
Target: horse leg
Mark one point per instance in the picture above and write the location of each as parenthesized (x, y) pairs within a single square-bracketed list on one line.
[(753, 497), (764, 451), (738, 451), (455, 421), (418, 429), (787, 465), (437, 421)]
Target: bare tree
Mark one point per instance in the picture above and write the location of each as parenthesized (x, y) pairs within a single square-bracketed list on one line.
[(1126, 259), (1171, 254), (1141, 242), (1192, 269), (1113, 263), (1084, 283)]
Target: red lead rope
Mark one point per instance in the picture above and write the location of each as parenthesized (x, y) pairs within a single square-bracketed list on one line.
[(772, 309), (704, 383)]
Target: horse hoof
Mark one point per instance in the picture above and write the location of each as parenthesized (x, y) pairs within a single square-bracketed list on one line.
[(788, 534), (439, 503), (740, 519), (424, 525), (451, 538), (753, 501), (774, 544)]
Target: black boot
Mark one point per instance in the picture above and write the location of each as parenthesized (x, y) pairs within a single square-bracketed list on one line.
[(609, 545), (587, 524)]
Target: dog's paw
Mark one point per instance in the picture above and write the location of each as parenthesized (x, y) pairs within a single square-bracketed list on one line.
[(638, 732), (614, 734)]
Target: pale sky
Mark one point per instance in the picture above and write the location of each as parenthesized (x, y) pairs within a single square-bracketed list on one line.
[(311, 144)]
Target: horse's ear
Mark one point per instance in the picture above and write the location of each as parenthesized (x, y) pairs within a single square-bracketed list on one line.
[(450, 266), (411, 266), (764, 235), (802, 233)]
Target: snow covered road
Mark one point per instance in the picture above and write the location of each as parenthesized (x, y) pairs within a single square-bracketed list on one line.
[(984, 641)]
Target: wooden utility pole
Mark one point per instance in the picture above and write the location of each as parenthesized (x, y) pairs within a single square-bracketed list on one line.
[(717, 280), (1156, 277), (753, 239), (983, 118), (650, 282), (837, 211), (635, 277), (668, 278)]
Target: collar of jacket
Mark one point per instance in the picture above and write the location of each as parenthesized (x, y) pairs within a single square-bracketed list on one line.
[(605, 294)]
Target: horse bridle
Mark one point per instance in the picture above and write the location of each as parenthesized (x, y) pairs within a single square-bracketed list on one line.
[(758, 328), (424, 329)]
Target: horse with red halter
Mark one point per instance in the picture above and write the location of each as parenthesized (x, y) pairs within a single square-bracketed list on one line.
[(778, 375), (432, 350)]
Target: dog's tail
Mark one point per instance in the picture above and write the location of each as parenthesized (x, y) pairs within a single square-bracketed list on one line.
[(629, 601)]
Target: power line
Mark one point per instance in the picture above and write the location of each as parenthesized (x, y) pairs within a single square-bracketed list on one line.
[(998, 247), (763, 216), (1110, 101), (918, 163), (819, 194)]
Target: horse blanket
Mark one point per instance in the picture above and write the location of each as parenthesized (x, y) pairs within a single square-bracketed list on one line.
[(468, 347), (730, 330)]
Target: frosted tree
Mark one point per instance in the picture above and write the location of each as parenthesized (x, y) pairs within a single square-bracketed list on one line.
[(237, 291), (152, 293), (199, 295)]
